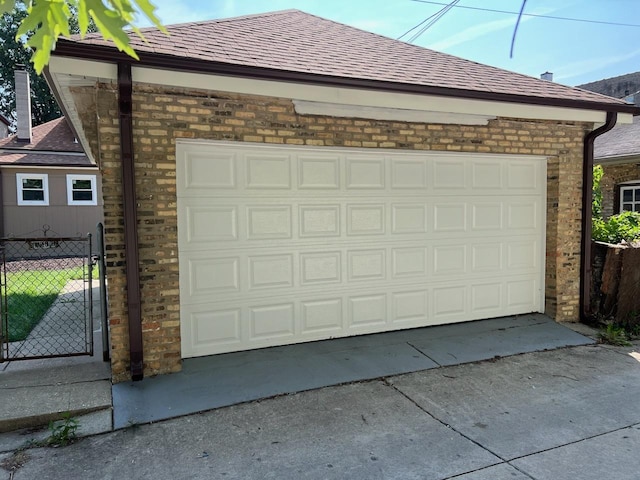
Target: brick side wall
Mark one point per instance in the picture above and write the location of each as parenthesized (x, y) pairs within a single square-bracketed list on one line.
[(162, 115), (614, 175)]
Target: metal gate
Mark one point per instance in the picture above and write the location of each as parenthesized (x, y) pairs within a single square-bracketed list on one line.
[(46, 301)]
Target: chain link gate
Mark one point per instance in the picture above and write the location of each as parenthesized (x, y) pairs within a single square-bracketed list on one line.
[(46, 299)]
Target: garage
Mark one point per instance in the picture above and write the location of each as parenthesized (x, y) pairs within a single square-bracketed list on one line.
[(282, 244)]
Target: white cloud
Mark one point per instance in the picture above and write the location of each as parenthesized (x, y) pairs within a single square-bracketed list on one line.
[(472, 33), (575, 69), (483, 29)]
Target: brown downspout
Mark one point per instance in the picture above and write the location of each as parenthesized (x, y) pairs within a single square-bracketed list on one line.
[(129, 205), (587, 200)]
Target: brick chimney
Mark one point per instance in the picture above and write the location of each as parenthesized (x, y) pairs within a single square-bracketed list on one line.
[(23, 105)]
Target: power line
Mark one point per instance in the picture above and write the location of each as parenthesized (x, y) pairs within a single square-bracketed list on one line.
[(430, 21), (584, 20), (515, 30), (416, 26)]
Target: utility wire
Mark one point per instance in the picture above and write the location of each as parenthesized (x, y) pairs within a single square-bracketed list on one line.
[(416, 26), (435, 18), (585, 20), (515, 30), (431, 19)]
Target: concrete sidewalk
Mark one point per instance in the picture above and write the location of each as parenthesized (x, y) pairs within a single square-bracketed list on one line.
[(222, 380), (35, 392), (571, 413)]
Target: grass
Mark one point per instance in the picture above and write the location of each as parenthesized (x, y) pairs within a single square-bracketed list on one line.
[(63, 432), (30, 293), (614, 335)]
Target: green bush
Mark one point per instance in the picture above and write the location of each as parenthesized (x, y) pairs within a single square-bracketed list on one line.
[(596, 207), (624, 226)]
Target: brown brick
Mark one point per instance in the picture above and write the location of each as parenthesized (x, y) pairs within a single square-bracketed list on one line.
[(158, 112)]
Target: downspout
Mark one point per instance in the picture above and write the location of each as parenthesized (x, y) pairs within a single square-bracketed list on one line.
[(587, 200), (129, 205)]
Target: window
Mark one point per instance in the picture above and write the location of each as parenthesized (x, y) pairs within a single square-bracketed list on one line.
[(630, 198), (33, 188), (81, 190)]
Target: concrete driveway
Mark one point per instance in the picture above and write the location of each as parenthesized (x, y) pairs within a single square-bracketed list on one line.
[(571, 413)]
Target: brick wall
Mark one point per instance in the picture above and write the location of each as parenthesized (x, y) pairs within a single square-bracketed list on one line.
[(614, 175), (162, 115)]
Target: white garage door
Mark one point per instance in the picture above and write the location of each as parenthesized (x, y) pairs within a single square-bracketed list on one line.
[(280, 245)]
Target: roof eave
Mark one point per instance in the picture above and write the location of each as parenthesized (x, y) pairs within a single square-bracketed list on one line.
[(618, 159), (109, 54)]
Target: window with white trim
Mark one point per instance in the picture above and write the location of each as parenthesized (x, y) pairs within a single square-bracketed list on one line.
[(33, 188), (81, 190), (630, 198)]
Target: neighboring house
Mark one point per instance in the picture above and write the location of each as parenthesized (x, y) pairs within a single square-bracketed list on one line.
[(48, 183), (282, 178), (4, 126), (617, 87), (618, 151)]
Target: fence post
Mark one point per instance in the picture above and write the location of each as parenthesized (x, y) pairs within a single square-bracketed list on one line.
[(103, 294), (4, 323), (89, 296)]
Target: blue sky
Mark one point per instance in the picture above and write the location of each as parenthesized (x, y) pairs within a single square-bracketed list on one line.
[(576, 52)]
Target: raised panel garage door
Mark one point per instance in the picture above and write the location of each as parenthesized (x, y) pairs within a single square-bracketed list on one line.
[(280, 245)]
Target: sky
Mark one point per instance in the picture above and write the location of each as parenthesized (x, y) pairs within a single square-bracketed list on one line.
[(576, 52)]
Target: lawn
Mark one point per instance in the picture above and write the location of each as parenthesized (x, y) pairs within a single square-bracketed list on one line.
[(30, 293)]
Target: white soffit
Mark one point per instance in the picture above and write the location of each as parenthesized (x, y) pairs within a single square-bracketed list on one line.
[(60, 66), (66, 73)]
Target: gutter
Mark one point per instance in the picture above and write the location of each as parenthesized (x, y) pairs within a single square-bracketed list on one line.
[(103, 53), (587, 199), (125, 111)]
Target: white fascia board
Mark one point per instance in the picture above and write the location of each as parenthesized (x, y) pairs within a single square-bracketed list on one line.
[(360, 97), (323, 94), (83, 68)]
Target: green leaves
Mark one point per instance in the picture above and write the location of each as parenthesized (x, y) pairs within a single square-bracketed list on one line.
[(47, 20), (624, 226), (596, 207), (7, 6)]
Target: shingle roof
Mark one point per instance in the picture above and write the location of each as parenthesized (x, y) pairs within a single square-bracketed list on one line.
[(54, 136), (295, 41), (615, 86), (621, 141)]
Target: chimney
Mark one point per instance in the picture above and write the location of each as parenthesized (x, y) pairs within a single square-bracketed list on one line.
[(23, 105), (547, 76)]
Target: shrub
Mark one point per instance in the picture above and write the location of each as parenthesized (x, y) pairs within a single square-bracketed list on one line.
[(596, 207), (624, 226)]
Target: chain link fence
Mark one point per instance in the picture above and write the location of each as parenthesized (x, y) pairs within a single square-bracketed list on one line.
[(46, 297)]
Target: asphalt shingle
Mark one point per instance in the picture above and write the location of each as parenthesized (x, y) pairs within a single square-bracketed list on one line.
[(621, 141), (54, 135), (51, 143), (295, 41)]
